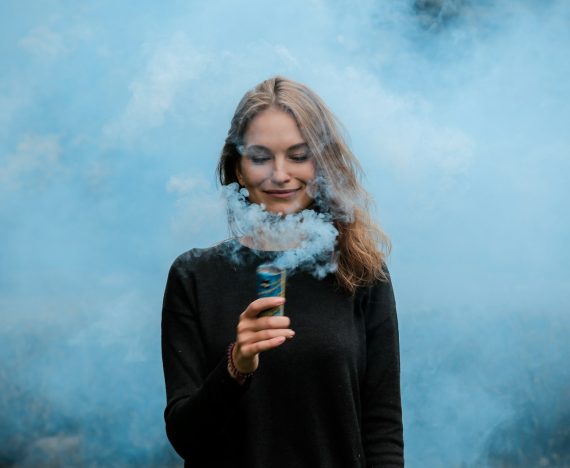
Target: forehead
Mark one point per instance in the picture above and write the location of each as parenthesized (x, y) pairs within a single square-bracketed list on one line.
[(273, 128)]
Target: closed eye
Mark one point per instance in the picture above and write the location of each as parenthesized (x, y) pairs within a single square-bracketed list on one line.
[(300, 157), (259, 159), (258, 156)]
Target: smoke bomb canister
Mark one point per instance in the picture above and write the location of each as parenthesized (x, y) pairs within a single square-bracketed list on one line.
[(271, 282)]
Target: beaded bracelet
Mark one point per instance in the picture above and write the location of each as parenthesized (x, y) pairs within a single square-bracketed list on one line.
[(239, 376)]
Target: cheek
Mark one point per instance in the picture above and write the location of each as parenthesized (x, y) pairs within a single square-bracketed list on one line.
[(247, 174), (309, 172), (254, 176)]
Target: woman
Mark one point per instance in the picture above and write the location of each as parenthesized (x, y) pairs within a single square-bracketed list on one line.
[(241, 391)]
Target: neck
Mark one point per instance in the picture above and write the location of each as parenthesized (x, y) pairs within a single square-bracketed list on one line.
[(271, 240)]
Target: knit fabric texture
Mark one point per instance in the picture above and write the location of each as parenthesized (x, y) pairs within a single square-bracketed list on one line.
[(329, 397)]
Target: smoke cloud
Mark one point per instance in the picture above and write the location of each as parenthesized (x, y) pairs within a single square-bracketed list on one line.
[(112, 118), (306, 240)]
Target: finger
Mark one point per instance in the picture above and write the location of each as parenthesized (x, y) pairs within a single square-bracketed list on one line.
[(261, 304), (263, 323), (248, 337), (269, 334), (261, 346)]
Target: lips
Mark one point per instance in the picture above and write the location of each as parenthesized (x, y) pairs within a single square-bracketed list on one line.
[(281, 193)]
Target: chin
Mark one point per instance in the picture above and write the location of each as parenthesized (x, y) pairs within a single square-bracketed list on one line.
[(286, 208), (280, 209)]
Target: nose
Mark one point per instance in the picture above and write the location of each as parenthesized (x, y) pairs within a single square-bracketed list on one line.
[(280, 174)]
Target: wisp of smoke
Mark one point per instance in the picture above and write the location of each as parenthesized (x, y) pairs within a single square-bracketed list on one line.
[(305, 240)]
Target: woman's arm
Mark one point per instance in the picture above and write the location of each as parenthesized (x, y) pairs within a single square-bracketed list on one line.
[(200, 401), (382, 409), (202, 397)]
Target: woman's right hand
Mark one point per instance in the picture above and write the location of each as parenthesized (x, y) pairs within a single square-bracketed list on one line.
[(257, 334)]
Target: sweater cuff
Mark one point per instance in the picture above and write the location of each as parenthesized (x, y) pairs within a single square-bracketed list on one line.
[(227, 383)]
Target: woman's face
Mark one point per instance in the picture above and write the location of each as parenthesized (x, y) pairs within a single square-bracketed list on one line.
[(276, 166)]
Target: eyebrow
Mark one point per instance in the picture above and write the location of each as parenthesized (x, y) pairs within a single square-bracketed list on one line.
[(293, 147)]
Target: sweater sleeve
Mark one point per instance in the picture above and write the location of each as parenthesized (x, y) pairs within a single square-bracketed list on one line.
[(382, 410), (200, 400)]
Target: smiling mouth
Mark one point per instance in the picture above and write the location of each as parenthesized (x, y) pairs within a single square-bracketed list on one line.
[(281, 193)]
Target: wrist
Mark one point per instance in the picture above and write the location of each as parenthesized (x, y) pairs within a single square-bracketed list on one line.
[(240, 377)]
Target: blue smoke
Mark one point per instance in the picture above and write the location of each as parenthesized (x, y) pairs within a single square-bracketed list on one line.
[(112, 117)]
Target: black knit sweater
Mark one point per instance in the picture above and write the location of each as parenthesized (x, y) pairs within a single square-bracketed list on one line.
[(330, 397)]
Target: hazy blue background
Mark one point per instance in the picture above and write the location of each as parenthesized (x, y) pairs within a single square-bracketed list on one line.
[(112, 116)]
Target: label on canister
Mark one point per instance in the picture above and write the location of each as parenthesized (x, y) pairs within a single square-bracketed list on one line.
[(271, 282)]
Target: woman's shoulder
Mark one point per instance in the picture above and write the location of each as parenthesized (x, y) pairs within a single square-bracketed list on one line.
[(200, 258), (199, 255), (380, 286)]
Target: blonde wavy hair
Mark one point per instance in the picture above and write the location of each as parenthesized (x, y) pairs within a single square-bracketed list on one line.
[(362, 245)]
